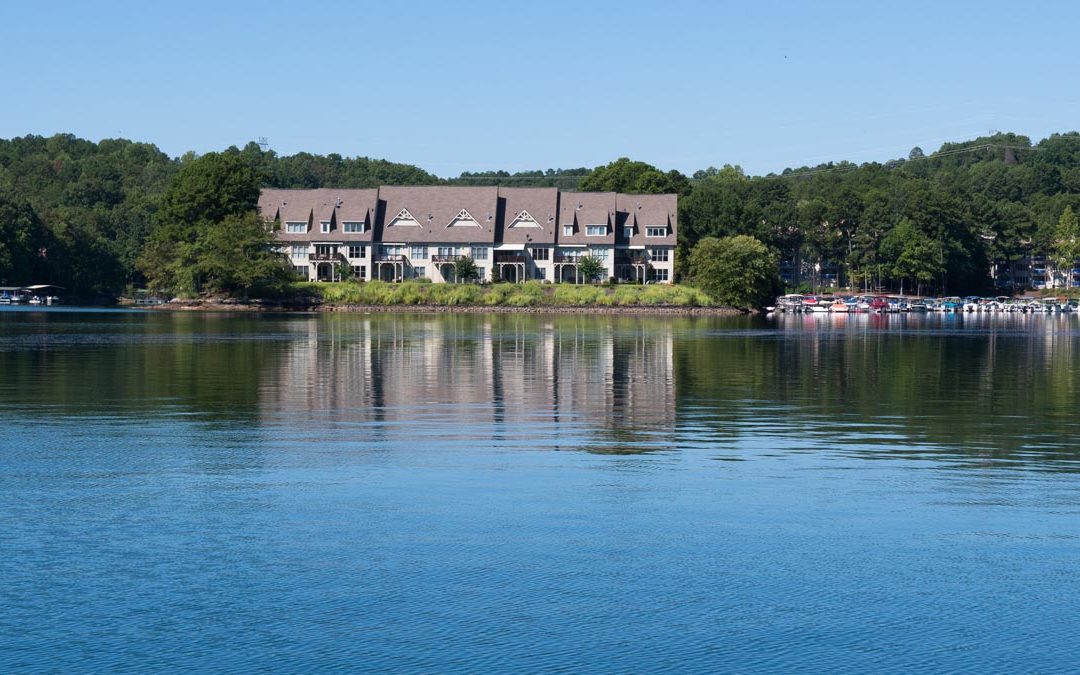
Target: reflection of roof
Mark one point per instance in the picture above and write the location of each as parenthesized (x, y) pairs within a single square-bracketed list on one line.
[(38, 287)]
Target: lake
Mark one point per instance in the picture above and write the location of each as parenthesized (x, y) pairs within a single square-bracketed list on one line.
[(517, 492)]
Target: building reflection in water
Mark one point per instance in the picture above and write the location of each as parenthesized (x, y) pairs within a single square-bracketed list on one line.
[(570, 382)]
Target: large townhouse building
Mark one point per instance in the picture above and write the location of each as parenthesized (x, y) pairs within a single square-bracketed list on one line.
[(394, 233)]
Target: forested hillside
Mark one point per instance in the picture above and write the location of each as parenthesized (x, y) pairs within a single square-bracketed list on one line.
[(79, 214)]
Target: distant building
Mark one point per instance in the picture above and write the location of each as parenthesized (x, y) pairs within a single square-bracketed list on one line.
[(396, 233)]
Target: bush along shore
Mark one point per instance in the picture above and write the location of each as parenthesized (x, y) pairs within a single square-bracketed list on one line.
[(503, 297)]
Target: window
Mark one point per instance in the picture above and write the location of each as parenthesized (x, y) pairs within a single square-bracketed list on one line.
[(541, 273), (301, 271), (479, 253), (299, 251), (390, 249), (419, 272), (567, 230), (600, 254), (655, 231), (446, 251), (541, 253), (658, 254), (570, 253), (418, 252), (324, 226), (325, 250), (295, 228), (351, 226), (628, 232), (595, 230), (356, 251), (359, 272), (659, 275)]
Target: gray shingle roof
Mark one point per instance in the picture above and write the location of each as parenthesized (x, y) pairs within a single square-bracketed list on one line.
[(541, 204), (582, 209), (642, 211), (434, 208)]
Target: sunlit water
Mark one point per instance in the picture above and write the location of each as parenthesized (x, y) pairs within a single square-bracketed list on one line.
[(522, 493)]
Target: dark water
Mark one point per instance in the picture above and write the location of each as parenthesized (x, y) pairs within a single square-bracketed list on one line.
[(523, 493)]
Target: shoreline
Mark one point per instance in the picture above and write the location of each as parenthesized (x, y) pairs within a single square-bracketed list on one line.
[(640, 310)]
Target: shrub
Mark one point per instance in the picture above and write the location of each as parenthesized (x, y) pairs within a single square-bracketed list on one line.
[(736, 271)]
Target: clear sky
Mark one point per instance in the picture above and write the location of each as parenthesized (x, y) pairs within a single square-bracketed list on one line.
[(455, 86)]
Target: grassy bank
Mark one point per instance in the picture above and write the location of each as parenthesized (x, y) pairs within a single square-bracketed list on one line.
[(532, 294)]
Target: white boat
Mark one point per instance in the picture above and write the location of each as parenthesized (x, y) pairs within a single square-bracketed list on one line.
[(793, 302)]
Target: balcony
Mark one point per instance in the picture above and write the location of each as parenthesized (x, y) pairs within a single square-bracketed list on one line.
[(389, 257), (632, 259), (439, 259), (560, 258), (515, 257), (326, 257)]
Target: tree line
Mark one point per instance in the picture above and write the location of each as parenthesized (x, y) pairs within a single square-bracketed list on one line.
[(96, 217)]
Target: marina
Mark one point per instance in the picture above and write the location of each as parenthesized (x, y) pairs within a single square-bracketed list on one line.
[(893, 304)]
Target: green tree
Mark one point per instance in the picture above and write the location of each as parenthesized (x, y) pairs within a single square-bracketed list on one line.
[(737, 271), (237, 256), (590, 268), (1065, 248), (24, 243), (624, 175), (911, 255), (206, 193), (465, 269)]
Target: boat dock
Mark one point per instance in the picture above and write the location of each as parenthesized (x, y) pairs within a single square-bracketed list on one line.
[(38, 294)]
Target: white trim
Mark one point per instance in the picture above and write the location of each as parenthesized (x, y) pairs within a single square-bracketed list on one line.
[(404, 215), (463, 219), (510, 247), (525, 219), (571, 245)]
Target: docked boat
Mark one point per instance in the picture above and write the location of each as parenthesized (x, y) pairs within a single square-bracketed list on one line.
[(792, 303), (812, 303)]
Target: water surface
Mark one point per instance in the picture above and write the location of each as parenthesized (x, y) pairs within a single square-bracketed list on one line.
[(522, 493)]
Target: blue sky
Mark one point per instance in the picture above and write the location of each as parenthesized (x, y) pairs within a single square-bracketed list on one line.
[(477, 85)]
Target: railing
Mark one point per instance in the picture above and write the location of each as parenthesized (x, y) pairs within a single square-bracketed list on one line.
[(446, 258), (326, 257), (560, 258), (509, 258), (632, 260), (388, 257)]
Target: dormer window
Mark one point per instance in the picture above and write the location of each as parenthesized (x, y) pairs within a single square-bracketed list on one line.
[(324, 226), (295, 228), (595, 230), (628, 232), (567, 230), (655, 231), (354, 227)]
